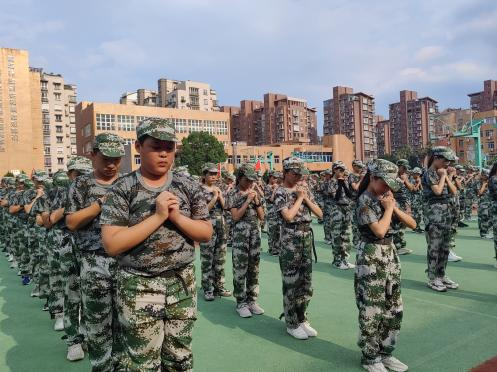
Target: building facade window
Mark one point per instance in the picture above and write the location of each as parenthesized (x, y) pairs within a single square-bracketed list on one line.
[(106, 122), (126, 123)]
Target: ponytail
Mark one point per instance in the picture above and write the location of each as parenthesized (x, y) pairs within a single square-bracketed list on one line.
[(364, 183), (430, 160)]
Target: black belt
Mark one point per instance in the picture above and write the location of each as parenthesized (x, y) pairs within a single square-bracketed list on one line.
[(175, 274), (384, 241)]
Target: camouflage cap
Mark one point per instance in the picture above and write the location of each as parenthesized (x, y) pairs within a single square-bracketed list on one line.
[(21, 177), (209, 167), (61, 179), (403, 163), (417, 170), (277, 174), (444, 152), (159, 128), (339, 165), (358, 163), (39, 176), (79, 163), (248, 170), (28, 183), (294, 164), (109, 144), (485, 172), (386, 170)]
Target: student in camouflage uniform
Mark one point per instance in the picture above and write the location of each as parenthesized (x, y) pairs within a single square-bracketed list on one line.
[(247, 212), (377, 275), (16, 210), (70, 260), (26, 199), (295, 203), (226, 186), (86, 196), (151, 220), (471, 192), (327, 207), (417, 198), (440, 214), (273, 220), (461, 193), (402, 198), (318, 196), (354, 179), (484, 206), (492, 190), (337, 192), (213, 253)]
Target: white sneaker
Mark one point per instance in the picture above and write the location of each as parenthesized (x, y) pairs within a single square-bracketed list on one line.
[(311, 332), (59, 322), (394, 364), (19, 273), (453, 257), (297, 333), (450, 284), (495, 265), (377, 367), (344, 266), (243, 311), (75, 352), (255, 308), (35, 292), (350, 265), (10, 259), (404, 251), (437, 285)]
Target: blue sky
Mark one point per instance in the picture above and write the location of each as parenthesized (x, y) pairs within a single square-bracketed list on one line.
[(443, 49)]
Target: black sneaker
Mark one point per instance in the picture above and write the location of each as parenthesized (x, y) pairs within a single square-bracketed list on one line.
[(462, 224)]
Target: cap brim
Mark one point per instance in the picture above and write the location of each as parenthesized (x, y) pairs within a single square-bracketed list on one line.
[(162, 136), (392, 183), (111, 151), (212, 170)]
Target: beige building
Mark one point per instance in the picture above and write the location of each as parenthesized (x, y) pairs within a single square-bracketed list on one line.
[(20, 113), (186, 95), (58, 101), (142, 97), (316, 157), (383, 143), (352, 114), (93, 118)]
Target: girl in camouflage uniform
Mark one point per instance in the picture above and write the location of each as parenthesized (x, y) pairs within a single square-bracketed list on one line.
[(484, 206), (273, 220), (441, 216), (417, 198), (294, 203), (247, 212), (377, 276), (213, 253), (340, 196)]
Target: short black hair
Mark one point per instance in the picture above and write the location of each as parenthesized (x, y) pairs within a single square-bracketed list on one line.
[(143, 138)]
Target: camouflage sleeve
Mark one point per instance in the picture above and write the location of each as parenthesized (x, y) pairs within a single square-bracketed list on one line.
[(281, 200), (199, 210), (115, 210), (75, 196), (365, 213), (229, 200), (433, 177)]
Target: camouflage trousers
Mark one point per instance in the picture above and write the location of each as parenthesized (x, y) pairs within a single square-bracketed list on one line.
[(41, 268), (417, 211), (327, 224), (273, 234), (440, 237), (70, 260), (462, 208), (98, 295), (398, 235), (468, 207), (340, 232), (296, 273), (15, 237), (246, 253), (24, 248), (156, 316), (213, 258), (228, 227), (356, 235), (56, 283), (378, 298), (484, 217)]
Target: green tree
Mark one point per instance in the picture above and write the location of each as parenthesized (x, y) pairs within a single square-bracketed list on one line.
[(199, 148)]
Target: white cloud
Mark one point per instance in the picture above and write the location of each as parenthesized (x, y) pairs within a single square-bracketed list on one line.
[(429, 53)]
